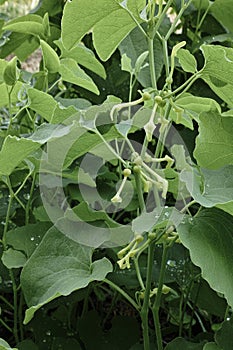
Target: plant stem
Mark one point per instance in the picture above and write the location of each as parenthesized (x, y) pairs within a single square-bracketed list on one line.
[(137, 269), (6, 326), (20, 315), (145, 307), (28, 205), (7, 302), (156, 306), (138, 181), (123, 293), (152, 62), (15, 298)]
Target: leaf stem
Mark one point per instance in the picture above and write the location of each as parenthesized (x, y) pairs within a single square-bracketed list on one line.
[(123, 293), (152, 62), (156, 306), (145, 307)]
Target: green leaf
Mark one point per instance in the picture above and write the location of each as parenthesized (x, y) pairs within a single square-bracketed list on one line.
[(126, 63), (214, 144), (218, 70), (83, 56), (48, 108), (209, 238), (58, 267), (50, 57), (27, 345), (71, 72), (182, 344), (99, 16), (224, 337), (11, 72), (18, 149), (136, 44), (210, 187), (5, 346), (201, 4), (29, 24), (24, 240), (222, 10), (211, 346), (193, 106), (13, 259), (187, 61)]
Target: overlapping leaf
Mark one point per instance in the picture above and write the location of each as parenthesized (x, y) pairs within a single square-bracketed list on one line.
[(58, 267), (100, 16), (209, 237)]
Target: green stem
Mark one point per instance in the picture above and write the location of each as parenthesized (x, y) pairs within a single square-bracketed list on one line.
[(146, 301), (137, 269), (173, 26), (188, 82), (152, 62), (156, 306), (138, 181), (6, 326), (28, 205), (21, 300), (162, 16), (7, 302), (123, 293), (15, 298)]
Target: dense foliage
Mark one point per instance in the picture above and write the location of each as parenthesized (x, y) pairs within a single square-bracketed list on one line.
[(116, 176)]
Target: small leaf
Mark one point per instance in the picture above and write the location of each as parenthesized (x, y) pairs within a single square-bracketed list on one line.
[(71, 72), (211, 231), (126, 63), (50, 57), (187, 61), (58, 267), (140, 61), (13, 259), (11, 72)]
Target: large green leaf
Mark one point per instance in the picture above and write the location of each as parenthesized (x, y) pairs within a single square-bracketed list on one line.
[(211, 346), (5, 346), (22, 242), (192, 107), (83, 56), (58, 267), (210, 187), (19, 148), (71, 72), (48, 108), (182, 344), (224, 337), (109, 21), (214, 144), (218, 70), (209, 237), (222, 10), (133, 46)]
